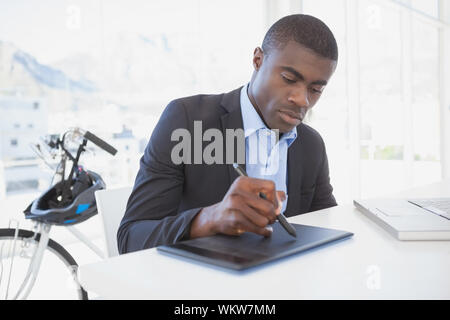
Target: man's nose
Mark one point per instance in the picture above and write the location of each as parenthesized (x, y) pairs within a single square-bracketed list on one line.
[(299, 97)]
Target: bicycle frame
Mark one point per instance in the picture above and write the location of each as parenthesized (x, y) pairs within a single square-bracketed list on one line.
[(43, 230), (58, 149), (35, 262)]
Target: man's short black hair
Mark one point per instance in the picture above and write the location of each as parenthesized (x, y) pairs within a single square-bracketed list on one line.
[(304, 29)]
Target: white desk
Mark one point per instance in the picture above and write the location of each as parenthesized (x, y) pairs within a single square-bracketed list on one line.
[(370, 265)]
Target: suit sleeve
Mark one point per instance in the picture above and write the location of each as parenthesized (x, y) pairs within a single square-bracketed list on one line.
[(151, 217), (323, 195)]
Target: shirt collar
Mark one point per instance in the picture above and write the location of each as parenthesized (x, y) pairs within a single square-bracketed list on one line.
[(250, 118), (252, 121)]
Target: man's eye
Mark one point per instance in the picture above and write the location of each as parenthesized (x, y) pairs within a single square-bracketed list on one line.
[(317, 91), (287, 79)]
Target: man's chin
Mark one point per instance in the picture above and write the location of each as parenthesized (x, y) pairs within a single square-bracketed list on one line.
[(285, 127)]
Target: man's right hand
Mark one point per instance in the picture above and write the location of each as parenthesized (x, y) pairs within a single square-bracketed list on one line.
[(241, 210)]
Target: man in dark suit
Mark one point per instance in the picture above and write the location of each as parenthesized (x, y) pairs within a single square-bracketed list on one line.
[(178, 200)]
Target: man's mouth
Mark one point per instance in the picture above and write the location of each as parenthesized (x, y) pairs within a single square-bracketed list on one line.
[(291, 117)]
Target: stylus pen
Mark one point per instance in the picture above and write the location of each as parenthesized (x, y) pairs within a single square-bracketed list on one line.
[(281, 218)]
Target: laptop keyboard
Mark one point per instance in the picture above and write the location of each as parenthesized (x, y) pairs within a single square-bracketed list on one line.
[(439, 206)]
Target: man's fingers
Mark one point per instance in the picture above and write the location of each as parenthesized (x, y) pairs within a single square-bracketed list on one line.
[(245, 225), (255, 217), (255, 186), (258, 205), (246, 198), (281, 197)]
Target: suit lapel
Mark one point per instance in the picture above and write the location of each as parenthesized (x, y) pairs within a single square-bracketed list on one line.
[(232, 119), (294, 166)]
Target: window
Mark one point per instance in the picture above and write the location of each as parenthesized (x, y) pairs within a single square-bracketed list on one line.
[(425, 101), (382, 136), (429, 7), (119, 63), (397, 92)]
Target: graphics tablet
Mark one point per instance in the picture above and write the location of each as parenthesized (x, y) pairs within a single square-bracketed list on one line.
[(249, 249)]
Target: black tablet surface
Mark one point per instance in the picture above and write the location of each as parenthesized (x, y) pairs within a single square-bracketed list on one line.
[(249, 249)]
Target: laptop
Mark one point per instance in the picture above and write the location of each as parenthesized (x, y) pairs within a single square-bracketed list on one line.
[(410, 219), (249, 249)]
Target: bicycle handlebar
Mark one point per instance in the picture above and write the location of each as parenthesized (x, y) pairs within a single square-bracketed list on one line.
[(100, 143)]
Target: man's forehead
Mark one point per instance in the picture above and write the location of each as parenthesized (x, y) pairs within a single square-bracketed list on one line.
[(296, 58), (295, 53)]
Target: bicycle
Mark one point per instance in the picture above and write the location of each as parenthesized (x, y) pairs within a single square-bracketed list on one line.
[(69, 201)]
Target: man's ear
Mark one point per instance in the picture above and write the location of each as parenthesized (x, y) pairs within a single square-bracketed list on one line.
[(258, 56)]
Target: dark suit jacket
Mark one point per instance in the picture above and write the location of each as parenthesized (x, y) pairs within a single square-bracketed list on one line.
[(166, 197)]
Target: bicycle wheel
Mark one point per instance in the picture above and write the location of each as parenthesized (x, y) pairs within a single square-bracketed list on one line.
[(24, 236)]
